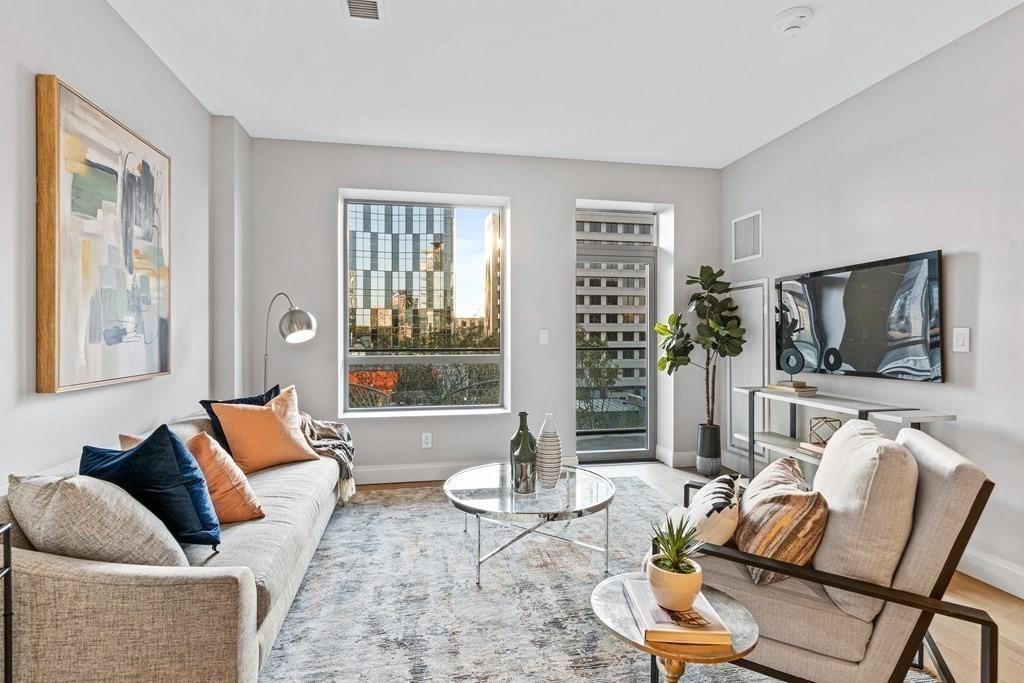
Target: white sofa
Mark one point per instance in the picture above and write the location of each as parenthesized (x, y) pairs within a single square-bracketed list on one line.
[(78, 620)]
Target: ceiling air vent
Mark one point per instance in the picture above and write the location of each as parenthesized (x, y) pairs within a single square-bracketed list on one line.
[(364, 10), (746, 237)]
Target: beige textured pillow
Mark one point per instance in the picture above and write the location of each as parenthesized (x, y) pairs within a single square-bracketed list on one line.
[(870, 483), (90, 519), (780, 518), (265, 436), (233, 498)]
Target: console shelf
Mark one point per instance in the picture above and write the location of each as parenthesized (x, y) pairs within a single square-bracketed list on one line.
[(787, 445)]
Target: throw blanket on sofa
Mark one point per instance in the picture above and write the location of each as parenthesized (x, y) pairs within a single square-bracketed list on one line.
[(332, 440)]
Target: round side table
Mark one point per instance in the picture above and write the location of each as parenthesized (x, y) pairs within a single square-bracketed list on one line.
[(609, 604)]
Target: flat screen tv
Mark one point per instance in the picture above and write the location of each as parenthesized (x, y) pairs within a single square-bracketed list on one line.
[(878, 319)]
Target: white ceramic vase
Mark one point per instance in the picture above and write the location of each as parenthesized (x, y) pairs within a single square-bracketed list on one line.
[(549, 453)]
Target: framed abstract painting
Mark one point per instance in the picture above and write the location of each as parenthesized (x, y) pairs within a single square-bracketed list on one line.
[(103, 273)]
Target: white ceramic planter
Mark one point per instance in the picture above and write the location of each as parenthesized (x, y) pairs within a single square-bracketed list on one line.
[(674, 591)]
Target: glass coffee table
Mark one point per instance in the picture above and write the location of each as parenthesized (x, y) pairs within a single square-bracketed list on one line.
[(486, 493)]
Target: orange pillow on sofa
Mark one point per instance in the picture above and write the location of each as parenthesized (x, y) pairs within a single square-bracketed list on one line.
[(233, 498), (265, 436)]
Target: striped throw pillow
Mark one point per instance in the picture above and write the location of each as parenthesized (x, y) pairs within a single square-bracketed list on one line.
[(780, 519), (715, 509)]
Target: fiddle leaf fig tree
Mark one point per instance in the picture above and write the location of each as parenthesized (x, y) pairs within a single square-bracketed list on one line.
[(718, 332)]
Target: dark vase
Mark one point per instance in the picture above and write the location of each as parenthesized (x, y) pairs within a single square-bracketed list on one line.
[(709, 450), (523, 458)]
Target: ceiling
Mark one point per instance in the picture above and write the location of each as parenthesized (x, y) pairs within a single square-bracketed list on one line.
[(679, 82)]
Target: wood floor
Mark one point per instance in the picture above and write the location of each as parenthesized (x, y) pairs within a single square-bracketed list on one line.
[(959, 642)]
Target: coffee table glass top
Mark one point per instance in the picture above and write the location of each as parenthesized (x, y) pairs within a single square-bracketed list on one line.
[(487, 490), (610, 606)]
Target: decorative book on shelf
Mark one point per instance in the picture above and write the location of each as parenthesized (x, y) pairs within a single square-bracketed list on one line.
[(817, 449), (699, 625), (802, 390)]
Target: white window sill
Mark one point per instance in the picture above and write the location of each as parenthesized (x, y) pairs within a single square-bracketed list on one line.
[(436, 412)]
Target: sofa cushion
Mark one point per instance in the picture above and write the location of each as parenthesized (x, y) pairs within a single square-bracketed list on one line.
[(870, 483), (162, 475), (90, 519), (258, 400), (233, 498), (265, 436), (793, 611), (278, 548), (780, 519)]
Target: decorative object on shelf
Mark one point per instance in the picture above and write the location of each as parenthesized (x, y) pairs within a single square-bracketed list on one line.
[(832, 360), (791, 361), (549, 453), (720, 335), (296, 326), (822, 429), (103, 291), (674, 577), (523, 457)]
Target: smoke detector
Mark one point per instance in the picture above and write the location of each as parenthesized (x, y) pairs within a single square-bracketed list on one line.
[(791, 21)]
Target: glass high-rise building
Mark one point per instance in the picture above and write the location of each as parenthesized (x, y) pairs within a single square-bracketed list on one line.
[(401, 279)]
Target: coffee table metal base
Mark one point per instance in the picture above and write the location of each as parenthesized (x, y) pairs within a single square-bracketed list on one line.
[(526, 531)]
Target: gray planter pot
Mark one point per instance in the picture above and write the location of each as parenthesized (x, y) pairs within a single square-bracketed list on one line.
[(709, 450)]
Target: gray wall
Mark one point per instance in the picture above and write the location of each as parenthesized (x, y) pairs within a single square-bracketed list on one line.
[(294, 247), (930, 158), (88, 45)]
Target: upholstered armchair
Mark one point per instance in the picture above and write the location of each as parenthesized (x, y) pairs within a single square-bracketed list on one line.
[(805, 636)]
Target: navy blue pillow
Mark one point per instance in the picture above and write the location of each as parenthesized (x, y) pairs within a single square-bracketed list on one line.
[(162, 475), (260, 400)]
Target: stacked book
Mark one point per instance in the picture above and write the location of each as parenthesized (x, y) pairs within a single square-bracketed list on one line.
[(794, 387), (699, 625)]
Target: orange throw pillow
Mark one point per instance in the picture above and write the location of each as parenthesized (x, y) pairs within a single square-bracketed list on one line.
[(233, 498), (265, 436)]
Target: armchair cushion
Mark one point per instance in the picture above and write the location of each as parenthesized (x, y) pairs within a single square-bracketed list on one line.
[(870, 484), (793, 611), (715, 509)]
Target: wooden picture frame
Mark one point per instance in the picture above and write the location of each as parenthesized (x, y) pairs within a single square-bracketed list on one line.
[(103, 219)]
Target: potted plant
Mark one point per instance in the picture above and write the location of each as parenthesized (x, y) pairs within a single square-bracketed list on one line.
[(720, 335), (675, 579)]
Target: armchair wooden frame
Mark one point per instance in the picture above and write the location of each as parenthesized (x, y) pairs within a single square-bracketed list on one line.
[(929, 605)]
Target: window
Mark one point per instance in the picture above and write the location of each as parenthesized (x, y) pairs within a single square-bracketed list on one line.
[(423, 306)]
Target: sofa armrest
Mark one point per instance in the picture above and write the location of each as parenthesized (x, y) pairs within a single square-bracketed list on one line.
[(98, 621)]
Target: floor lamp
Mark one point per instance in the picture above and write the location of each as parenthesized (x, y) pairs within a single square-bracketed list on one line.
[(296, 326)]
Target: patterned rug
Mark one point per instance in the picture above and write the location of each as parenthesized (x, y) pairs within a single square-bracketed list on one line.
[(391, 595)]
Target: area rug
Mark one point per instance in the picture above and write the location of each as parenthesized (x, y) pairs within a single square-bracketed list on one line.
[(391, 595)]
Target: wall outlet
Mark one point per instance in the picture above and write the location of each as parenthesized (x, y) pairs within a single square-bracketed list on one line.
[(426, 440), (545, 336)]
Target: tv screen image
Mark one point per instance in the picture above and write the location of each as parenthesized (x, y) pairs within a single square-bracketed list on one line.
[(878, 319)]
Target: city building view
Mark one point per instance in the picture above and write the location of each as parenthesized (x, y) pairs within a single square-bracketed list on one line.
[(612, 300), (424, 286)]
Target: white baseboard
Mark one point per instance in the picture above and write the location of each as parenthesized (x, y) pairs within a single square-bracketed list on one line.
[(675, 458), (397, 474), (994, 571)]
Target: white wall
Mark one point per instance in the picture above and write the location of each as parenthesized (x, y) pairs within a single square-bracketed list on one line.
[(88, 45), (294, 247), (930, 158), (229, 226)]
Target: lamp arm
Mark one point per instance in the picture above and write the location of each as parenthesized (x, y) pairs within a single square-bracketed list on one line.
[(266, 335)]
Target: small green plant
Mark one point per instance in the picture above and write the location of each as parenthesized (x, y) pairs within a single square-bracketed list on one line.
[(676, 543)]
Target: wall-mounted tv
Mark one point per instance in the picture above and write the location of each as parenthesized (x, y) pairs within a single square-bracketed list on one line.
[(878, 319)]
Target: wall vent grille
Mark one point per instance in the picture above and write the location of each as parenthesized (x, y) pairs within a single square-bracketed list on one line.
[(747, 238), (365, 10)]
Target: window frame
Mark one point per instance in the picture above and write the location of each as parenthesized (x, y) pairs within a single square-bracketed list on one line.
[(348, 361)]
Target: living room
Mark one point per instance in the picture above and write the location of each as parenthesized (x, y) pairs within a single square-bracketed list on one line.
[(576, 166)]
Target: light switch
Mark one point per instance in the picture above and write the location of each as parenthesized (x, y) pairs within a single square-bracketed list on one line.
[(544, 336), (961, 340)]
